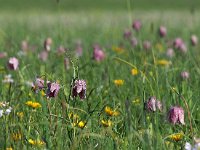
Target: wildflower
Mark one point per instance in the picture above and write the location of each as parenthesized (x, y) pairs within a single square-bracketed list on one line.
[(8, 111), (9, 148), (147, 45), (185, 75), (196, 146), (8, 79), (176, 137), (13, 63), (127, 34), (170, 52), (36, 142), (24, 46), (3, 54), (194, 40), (162, 31), (39, 83), (136, 101), (47, 44), (79, 89), (1, 113), (176, 115), (137, 25), (117, 49), (134, 41), (61, 50), (43, 55), (111, 112), (163, 62), (119, 82), (79, 49), (152, 104), (179, 44), (98, 54), (33, 104), (106, 123), (42, 93), (81, 124), (134, 72), (53, 89), (73, 116), (20, 115), (67, 63), (17, 136)]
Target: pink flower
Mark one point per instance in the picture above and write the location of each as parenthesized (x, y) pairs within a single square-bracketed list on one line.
[(152, 104), (53, 89), (178, 42), (176, 115), (43, 55), (47, 44), (13, 63), (194, 40), (3, 54), (79, 88), (61, 50), (147, 45), (39, 83), (134, 41), (185, 75), (170, 52), (98, 54), (137, 25), (162, 31), (127, 34)]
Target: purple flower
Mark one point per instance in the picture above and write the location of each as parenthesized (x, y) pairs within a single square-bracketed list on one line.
[(39, 83), (147, 45), (13, 63), (53, 89), (79, 88), (137, 25), (170, 52), (162, 31), (127, 34), (98, 54), (134, 41), (176, 115), (194, 40), (185, 75), (47, 44), (179, 44), (152, 104)]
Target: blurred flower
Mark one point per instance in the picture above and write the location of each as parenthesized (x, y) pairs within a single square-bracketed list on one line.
[(194, 40), (170, 52), (67, 63), (185, 75), (4, 104), (137, 25), (79, 49), (179, 44), (9, 148), (53, 89), (39, 83), (134, 72), (17, 136), (127, 34), (79, 88), (8, 111), (24, 46), (136, 101), (147, 45), (119, 82), (176, 115), (162, 31), (159, 46), (13, 63), (20, 115), (163, 62), (81, 124), (98, 54), (117, 49), (43, 55), (3, 54), (1, 113), (8, 79), (134, 41), (106, 123), (152, 104), (176, 137), (33, 104), (61, 50), (36, 142), (111, 112), (47, 44), (196, 146)]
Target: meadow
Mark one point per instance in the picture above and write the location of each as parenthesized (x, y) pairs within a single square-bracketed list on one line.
[(99, 75)]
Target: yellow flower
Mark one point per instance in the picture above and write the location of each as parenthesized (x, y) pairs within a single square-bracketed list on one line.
[(20, 115), (9, 148), (36, 142), (42, 93), (136, 101), (163, 62), (119, 50), (81, 124), (33, 104), (119, 82), (176, 137), (106, 123), (110, 112), (16, 136), (134, 72)]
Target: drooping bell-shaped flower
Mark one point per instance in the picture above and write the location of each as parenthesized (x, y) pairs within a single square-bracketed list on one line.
[(13, 63), (176, 115), (79, 89)]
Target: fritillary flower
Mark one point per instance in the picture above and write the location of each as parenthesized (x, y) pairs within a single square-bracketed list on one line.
[(53, 89), (194, 40), (176, 115), (162, 31), (137, 25), (185, 75), (79, 89), (13, 63)]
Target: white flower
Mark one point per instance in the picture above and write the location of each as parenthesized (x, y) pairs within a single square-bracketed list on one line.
[(8, 111), (188, 146), (1, 113)]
